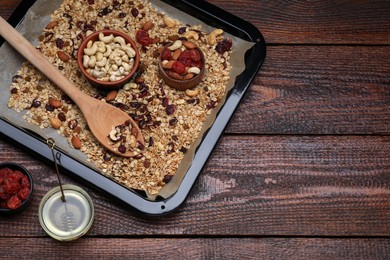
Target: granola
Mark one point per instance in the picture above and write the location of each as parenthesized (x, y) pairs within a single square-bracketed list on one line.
[(170, 119)]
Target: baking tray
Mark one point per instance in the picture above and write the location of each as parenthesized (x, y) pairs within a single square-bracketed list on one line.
[(137, 200)]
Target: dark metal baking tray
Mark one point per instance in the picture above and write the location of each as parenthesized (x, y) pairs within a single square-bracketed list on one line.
[(136, 200)]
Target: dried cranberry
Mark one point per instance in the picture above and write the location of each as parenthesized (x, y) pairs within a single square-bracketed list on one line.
[(14, 202), (195, 55), (143, 37), (224, 46), (134, 12), (185, 58), (166, 54), (25, 182), (15, 176), (179, 68), (24, 193), (14, 90), (91, 2)]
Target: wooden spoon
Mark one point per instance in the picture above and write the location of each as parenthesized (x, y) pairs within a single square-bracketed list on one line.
[(100, 116)]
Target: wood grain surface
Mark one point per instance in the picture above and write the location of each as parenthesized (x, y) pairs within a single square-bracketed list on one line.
[(302, 171)]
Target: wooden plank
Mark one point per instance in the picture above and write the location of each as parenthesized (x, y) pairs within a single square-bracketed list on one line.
[(8, 7), (315, 22), (318, 90), (198, 248), (274, 185)]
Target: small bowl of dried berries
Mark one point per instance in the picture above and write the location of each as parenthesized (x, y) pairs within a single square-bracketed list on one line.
[(108, 59), (182, 64), (16, 188)]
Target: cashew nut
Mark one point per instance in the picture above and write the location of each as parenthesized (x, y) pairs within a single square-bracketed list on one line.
[(126, 66), (169, 22), (120, 40), (191, 35), (194, 70), (85, 61), (118, 60), (92, 50), (108, 51), (106, 39), (98, 73), (192, 92), (102, 62), (99, 56), (129, 50), (212, 38), (176, 45), (101, 47), (92, 61), (109, 58)]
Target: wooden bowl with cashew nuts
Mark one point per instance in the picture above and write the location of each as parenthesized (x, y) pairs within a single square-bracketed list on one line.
[(108, 59), (182, 65)]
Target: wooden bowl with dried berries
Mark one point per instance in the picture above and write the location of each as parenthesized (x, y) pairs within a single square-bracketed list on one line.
[(182, 64), (16, 188)]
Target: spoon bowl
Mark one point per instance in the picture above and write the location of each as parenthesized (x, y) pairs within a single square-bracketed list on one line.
[(101, 117)]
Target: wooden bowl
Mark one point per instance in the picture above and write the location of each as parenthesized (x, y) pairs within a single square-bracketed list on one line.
[(14, 167), (181, 84), (102, 84)]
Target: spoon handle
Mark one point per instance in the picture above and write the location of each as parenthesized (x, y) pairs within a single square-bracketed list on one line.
[(24, 47)]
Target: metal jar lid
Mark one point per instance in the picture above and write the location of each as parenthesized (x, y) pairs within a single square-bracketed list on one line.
[(69, 220)]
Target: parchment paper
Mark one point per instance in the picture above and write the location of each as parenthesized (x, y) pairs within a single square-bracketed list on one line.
[(31, 27)]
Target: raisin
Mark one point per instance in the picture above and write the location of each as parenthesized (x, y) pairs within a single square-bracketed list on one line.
[(91, 2), (14, 91), (182, 30), (122, 148), (134, 12), (122, 15), (36, 103), (170, 109), (59, 43), (224, 46)]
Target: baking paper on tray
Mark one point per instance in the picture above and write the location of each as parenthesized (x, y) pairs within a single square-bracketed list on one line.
[(31, 27)]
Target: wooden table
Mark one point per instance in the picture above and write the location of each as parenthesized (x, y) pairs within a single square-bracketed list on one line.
[(302, 171)]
